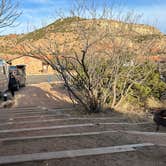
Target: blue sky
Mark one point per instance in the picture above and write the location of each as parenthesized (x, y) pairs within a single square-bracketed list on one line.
[(38, 13)]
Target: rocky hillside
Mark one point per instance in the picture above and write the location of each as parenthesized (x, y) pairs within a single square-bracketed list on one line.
[(135, 35)]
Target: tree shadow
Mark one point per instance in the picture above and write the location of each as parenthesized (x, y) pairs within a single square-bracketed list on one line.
[(45, 97)]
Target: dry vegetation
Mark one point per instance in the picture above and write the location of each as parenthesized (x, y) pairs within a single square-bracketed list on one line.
[(97, 57)]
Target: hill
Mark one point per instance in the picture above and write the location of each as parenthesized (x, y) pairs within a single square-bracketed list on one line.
[(64, 29)]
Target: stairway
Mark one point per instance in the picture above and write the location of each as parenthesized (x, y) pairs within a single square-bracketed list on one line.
[(36, 136)]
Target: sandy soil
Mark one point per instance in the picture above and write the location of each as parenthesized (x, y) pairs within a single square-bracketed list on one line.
[(54, 96), (43, 94)]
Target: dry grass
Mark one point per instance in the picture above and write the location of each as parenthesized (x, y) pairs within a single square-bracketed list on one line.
[(134, 113), (153, 103)]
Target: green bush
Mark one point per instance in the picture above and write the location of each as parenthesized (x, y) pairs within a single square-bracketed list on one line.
[(153, 86)]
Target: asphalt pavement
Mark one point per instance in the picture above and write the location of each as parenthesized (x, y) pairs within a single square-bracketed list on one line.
[(36, 79)]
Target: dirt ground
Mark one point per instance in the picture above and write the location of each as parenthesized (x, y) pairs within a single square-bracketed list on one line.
[(142, 157), (54, 96), (43, 94)]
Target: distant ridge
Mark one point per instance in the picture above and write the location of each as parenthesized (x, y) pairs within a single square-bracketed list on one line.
[(10, 45)]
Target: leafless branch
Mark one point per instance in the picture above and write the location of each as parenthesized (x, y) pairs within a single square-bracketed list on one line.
[(8, 13)]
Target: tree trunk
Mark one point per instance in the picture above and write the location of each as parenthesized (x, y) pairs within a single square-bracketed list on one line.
[(114, 94)]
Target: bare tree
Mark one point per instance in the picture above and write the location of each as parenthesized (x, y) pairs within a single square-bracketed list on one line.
[(99, 67), (8, 13)]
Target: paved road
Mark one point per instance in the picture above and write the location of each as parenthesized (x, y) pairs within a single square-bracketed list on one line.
[(35, 79)]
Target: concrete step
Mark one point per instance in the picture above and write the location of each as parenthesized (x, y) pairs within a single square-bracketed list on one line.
[(24, 114), (147, 133), (20, 109), (66, 126), (64, 129), (39, 137), (29, 114), (16, 159), (144, 136), (44, 128), (55, 121), (62, 119), (31, 117), (21, 113), (66, 142), (32, 109)]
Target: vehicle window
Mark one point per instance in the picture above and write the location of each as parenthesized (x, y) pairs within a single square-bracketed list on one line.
[(4, 70), (12, 68), (1, 70)]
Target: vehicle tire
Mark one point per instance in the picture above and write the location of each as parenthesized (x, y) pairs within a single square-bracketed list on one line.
[(24, 85)]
